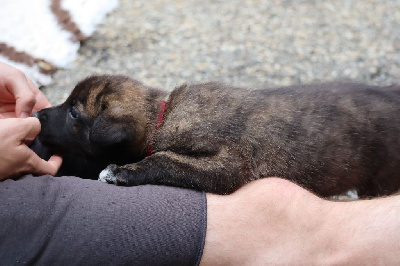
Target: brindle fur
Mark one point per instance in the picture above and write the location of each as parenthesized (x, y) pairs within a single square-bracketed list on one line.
[(326, 137)]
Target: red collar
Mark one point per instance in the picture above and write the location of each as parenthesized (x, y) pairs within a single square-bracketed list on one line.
[(160, 119)]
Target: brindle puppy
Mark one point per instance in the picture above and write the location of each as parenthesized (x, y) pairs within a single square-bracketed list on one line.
[(328, 137)]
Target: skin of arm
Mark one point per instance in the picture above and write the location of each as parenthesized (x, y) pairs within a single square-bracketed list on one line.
[(275, 222)]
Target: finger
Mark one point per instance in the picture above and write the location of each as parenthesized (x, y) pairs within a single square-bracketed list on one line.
[(8, 115), (30, 128), (41, 100), (56, 162), (7, 107), (28, 141), (25, 99), (42, 167), (7, 110)]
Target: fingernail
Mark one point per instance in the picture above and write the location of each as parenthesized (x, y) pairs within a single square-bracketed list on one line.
[(24, 115)]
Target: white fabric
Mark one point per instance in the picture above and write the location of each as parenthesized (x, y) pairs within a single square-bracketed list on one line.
[(30, 27)]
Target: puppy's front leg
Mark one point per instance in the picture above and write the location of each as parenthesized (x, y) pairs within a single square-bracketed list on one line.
[(217, 173)]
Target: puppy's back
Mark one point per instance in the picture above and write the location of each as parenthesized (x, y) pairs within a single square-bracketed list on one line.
[(348, 132)]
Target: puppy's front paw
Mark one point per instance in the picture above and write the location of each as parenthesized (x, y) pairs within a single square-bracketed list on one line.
[(117, 175), (108, 175)]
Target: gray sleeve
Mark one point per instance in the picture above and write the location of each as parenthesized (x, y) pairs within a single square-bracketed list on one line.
[(71, 221)]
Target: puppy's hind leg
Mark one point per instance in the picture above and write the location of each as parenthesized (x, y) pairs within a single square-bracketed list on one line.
[(217, 173)]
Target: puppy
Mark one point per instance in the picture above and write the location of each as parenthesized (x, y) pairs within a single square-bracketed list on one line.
[(328, 138)]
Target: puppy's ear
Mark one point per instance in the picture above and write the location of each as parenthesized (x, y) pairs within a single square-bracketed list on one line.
[(107, 133)]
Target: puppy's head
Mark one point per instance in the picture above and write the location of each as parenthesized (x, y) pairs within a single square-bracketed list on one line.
[(105, 116)]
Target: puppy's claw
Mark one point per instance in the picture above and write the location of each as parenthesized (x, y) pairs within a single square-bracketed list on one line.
[(108, 176)]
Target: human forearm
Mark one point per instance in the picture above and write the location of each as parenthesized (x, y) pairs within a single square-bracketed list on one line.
[(367, 232), (267, 222), (275, 222)]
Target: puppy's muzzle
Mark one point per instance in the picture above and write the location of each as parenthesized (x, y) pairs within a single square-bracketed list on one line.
[(41, 115)]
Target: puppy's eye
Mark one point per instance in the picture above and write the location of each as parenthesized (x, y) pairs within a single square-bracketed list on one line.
[(73, 113)]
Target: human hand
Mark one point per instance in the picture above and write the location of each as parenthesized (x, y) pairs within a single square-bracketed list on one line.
[(19, 97), (16, 158)]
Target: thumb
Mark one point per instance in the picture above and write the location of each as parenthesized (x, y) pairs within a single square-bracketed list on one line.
[(30, 128), (43, 167), (55, 161)]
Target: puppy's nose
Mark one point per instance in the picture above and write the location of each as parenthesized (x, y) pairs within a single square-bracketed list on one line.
[(42, 116)]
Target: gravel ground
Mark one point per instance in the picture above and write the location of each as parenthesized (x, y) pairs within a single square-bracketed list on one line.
[(253, 43)]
